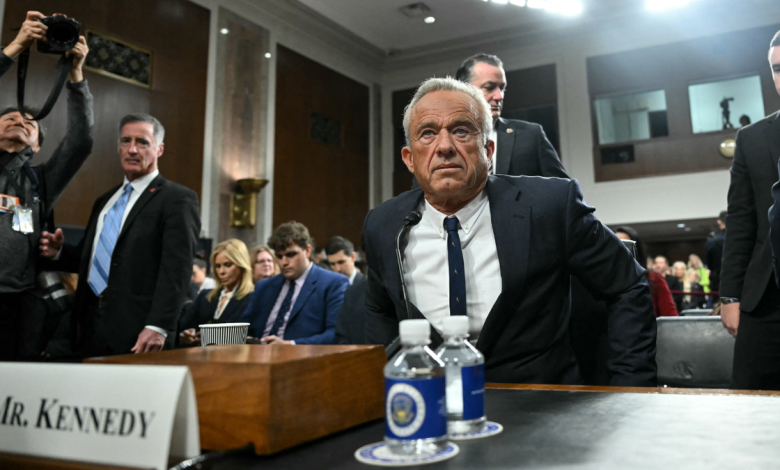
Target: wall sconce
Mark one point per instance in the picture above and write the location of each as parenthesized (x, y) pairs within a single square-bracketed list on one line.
[(243, 204)]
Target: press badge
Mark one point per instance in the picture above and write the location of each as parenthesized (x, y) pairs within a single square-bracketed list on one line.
[(23, 220)]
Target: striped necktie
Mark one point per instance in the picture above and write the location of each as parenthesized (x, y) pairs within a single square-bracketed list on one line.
[(101, 263)]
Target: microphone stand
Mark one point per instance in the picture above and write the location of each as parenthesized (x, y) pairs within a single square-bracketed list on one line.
[(412, 219)]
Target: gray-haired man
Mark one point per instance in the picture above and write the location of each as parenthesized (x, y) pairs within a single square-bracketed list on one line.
[(135, 260), (508, 245)]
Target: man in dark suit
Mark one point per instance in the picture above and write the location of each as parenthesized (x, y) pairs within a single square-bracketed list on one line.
[(751, 299), (508, 246), (135, 260), (714, 249), (351, 325), (301, 304), (341, 258)]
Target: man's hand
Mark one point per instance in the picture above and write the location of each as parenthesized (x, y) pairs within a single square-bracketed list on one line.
[(148, 341), (51, 243), (189, 337), (79, 54), (30, 31), (729, 316), (274, 340)]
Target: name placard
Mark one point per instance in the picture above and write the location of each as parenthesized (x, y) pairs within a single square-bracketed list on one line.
[(116, 415)]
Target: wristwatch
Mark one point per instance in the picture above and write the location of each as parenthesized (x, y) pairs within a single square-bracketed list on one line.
[(729, 300)]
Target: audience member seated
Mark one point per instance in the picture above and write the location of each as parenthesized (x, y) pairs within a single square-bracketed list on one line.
[(661, 266), (695, 263), (200, 275), (341, 258), (663, 303), (264, 263), (691, 284), (230, 296), (300, 305), (319, 258)]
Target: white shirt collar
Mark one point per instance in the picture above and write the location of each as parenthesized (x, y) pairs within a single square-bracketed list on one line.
[(353, 276), (140, 184), (302, 278), (467, 216)]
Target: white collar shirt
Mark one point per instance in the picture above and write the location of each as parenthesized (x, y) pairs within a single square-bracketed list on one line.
[(222, 306), (494, 138), (427, 268), (353, 276), (298, 285)]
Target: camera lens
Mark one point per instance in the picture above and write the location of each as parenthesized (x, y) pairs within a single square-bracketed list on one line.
[(62, 36)]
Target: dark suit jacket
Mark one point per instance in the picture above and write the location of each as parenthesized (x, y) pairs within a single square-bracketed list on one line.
[(747, 257), (523, 150), (202, 310), (151, 266), (351, 325), (714, 248), (313, 317), (544, 233)]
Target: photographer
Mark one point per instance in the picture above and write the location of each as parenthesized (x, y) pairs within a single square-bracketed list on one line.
[(34, 190)]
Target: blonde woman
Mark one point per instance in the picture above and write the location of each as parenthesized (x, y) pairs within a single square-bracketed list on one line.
[(264, 263), (228, 300), (694, 262)]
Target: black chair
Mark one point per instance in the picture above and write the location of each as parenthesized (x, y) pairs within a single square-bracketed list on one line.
[(694, 352)]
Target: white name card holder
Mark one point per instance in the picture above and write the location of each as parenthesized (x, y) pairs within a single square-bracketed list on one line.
[(130, 416)]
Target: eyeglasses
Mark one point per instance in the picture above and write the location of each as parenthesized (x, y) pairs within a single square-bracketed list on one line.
[(289, 254), (264, 261)]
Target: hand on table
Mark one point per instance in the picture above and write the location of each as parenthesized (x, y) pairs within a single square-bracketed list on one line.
[(274, 340), (189, 337), (148, 341)]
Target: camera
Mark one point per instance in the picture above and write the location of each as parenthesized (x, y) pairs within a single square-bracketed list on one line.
[(62, 34)]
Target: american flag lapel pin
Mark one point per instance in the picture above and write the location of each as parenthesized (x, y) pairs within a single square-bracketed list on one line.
[(509, 130), (151, 190)]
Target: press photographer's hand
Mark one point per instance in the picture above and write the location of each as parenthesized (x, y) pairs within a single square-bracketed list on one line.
[(30, 31), (79, 53)]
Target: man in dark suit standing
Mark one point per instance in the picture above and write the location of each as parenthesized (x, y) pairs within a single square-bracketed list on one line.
[(135, 260), (714, 249), (508, 246), (751, 299), (521, 148), (301, 304)]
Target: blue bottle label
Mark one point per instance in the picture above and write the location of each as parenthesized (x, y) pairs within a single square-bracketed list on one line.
[(473, 391), (415, 409)]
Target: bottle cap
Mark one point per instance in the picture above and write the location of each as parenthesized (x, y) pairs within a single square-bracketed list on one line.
[(456, 326), (415, 331)]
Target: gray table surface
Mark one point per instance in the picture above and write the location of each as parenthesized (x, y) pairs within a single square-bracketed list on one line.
[(583, 430)]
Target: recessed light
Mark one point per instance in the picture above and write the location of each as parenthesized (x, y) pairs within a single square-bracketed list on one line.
[(537, 3), (224, 30), (429, 19), (267, 55), (502, 2), (680, 225), (687, 229), (520, 3)]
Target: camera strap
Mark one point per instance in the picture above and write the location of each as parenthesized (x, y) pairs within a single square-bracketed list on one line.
[(63, 66)]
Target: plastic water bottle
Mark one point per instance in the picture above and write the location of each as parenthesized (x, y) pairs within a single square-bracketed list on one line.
[(415, 408), (465, 367)]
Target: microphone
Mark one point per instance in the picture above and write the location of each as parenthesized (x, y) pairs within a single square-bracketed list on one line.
[(413, 218)]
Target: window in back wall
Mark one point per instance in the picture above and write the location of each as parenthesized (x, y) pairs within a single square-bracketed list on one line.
[(721, 104), (631, 117)]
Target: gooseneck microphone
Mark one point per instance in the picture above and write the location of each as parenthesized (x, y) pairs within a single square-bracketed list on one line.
[(413, 218)]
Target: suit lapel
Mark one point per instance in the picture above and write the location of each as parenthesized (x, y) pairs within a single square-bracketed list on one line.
[(308, 288), (511, 220), (772, 134), (268, 299), (152, 190), (506, 142)]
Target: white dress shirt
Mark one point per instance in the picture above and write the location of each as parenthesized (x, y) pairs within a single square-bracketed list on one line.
[(297, 284), (222, 306), (494, 138), (353, 276), (427, 267), (139, 186)]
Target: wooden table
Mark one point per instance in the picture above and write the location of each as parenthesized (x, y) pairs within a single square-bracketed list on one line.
[(572, 427)]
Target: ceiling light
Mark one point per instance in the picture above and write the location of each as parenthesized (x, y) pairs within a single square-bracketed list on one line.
[(520, 3), (687, 229), (429, 19), (537, 3), (224, 31), (680, 225), (565, 7), (267, 55), (665, 4), (503, 2)]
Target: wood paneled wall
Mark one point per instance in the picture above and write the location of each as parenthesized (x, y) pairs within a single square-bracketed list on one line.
[(673, 67), (177, 31), (324, 186)]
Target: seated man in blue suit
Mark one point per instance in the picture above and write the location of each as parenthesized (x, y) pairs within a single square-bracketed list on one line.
[(301, 304)]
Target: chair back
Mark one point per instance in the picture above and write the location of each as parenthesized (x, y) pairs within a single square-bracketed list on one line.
[(696, 312), (694, 351)]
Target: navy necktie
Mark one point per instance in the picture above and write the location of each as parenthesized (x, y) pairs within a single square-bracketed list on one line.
[(283, 310), (457, 274)]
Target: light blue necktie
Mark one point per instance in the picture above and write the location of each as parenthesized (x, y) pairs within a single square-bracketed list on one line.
[(101, 263)]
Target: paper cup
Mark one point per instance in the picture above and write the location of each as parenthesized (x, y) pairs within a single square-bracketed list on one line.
[(223, 333)]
